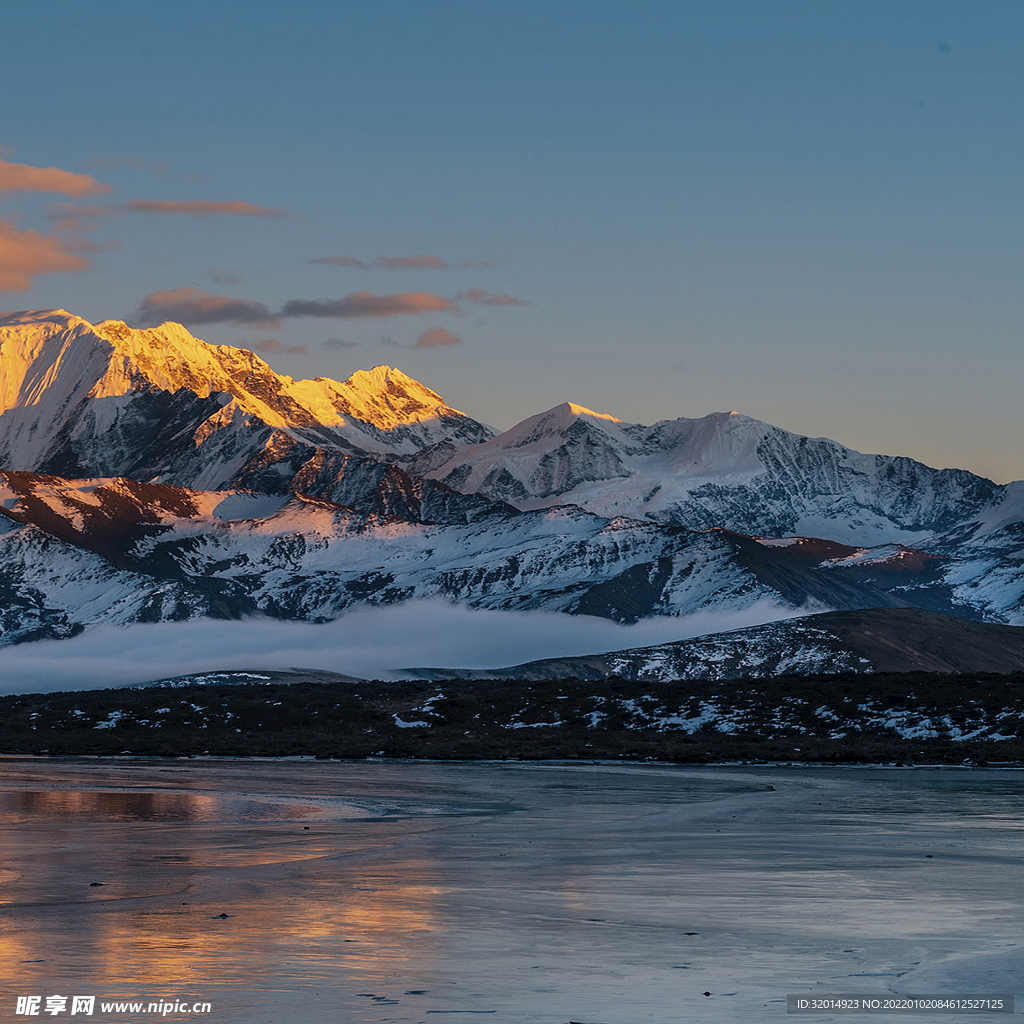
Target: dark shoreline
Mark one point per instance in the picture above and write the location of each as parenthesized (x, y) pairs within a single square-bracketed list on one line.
[(831, 720)]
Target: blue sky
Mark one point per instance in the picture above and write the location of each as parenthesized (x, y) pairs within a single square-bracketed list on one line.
[(809, 212)]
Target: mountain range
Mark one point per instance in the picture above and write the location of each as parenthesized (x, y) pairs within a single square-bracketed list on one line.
[(146, 475)]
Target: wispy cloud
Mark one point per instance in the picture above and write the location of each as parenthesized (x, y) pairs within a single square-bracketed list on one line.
[(23, 178), (193, 306), (26, 254), (136, 163), (421, 262), (273, 345), (411, 263), (342, 261), (437, 337), (358, 305), (481, 298), (433, 337), (80, 218), (388, 262), (202, 208), (340, 343), (223, 276)]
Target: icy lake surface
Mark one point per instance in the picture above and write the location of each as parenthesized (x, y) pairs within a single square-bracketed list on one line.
[(503, 892)]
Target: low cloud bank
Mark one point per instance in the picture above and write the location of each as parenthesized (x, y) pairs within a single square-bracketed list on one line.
[(376, 643)]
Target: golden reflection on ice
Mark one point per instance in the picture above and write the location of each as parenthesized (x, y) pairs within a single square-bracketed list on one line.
[(60, 805), (288, 897), (177, 944), (18, 805)]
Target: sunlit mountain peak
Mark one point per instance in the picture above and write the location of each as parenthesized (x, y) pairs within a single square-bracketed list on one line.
[(63, 378), (581, 410)]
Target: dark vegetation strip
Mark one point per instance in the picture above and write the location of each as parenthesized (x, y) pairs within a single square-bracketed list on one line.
[(838, 719)]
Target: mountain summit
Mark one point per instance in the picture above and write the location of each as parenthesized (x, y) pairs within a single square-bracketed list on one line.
[(721, 470), (78, 399)]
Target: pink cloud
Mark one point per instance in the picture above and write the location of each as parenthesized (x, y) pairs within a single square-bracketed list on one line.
[(193, 306), (365, 304), (481, 298), (23, 178), (201, 208), (25, 254), (437, 337), (82, 218)]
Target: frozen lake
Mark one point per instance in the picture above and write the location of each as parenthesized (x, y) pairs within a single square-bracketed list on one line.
[(504, 892)]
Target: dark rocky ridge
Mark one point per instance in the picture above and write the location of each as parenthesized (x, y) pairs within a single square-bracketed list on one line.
[(910, 718)]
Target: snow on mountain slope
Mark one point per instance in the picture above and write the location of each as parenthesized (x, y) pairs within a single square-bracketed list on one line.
[(722, 470), (80, 399), (985, 569), (571, 454), (999, 525), (296, 557), (307, 559), (50, 589), (868, 640), (792, 645)]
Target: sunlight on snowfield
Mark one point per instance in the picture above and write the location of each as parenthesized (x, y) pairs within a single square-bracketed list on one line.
[(368, 642)]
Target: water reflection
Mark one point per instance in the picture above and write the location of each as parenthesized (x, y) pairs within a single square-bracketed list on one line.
[(540, 893), (71, 805)]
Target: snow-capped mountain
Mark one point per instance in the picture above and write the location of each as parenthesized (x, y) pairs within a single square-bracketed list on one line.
[(119, 547), (78, 399), (302, 558), (149, 475), (724, 470)]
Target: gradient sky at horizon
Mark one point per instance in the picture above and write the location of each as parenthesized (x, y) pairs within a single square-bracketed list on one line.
[(809, 212)]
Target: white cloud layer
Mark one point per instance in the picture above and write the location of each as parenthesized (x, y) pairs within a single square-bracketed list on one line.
[(368, 642)]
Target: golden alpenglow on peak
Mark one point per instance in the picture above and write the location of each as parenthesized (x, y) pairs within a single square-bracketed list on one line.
[(82, 400), (171, 357), (387, 397), (582, 410)]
